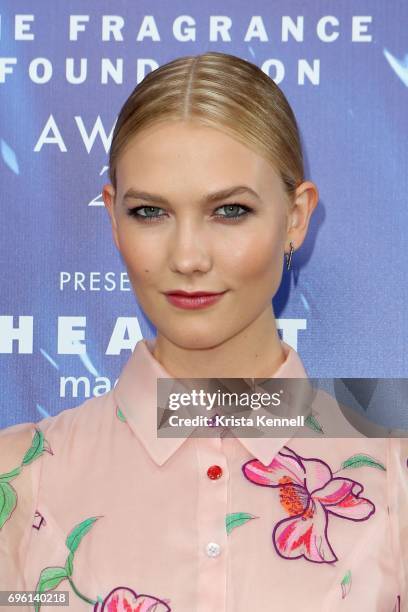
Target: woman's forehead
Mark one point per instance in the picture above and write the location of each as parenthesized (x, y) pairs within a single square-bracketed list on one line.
[(183, 153)]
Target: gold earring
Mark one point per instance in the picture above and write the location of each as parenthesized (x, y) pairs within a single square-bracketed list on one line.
[(289, 256)]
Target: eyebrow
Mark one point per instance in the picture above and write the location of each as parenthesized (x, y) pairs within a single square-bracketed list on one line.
[(209, 198)]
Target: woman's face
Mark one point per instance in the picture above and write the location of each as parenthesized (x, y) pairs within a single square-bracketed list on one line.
[(182, 240)]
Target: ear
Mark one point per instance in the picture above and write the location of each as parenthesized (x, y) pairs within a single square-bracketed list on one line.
[(108, 195), (304, 202)]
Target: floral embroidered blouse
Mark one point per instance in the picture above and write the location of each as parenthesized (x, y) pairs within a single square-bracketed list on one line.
[(92, 502)]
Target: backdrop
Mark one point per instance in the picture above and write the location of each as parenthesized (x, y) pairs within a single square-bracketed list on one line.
[(68, 317)]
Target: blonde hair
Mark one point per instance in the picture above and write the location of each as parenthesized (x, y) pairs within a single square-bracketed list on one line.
[(221, 91)]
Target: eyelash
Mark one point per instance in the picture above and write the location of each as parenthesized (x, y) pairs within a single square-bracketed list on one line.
[(133, 212)]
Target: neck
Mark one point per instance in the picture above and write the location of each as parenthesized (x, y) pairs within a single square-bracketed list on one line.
[(256, 352)]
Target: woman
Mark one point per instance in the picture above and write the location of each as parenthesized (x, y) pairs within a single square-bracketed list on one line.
[(207, 195)]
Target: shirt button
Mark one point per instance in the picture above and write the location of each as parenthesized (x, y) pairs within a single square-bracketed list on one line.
[(214, 472), (213, 549)]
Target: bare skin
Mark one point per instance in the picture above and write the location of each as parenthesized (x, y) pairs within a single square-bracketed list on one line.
[(195, 245)]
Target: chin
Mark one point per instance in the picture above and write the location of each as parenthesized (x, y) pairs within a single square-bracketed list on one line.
[(196, 339)]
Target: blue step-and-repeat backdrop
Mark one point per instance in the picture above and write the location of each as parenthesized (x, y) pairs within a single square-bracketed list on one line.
[(65, 71)]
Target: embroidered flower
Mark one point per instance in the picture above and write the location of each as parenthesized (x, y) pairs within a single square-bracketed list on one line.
[(309, 493), (124, 599)]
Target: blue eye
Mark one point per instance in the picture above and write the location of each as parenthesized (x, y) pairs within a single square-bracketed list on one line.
[(150, 212), (228, 207), (134, 212)]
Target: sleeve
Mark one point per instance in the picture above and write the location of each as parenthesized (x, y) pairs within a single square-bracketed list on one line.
[(398, 511), (20, 446)]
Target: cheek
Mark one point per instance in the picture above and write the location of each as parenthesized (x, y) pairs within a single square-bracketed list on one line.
[(253, 257), (141, 256)]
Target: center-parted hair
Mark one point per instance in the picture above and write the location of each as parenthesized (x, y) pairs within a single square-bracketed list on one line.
[(222, 91)]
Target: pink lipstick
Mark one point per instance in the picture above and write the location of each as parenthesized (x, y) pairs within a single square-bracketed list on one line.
[(193, 300)]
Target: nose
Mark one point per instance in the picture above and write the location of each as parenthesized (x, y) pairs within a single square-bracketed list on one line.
[(189, 250)]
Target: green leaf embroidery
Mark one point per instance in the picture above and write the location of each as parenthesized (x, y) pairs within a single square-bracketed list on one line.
[(236, 519), (346, 584), (120, 414), (10, 475), (360, 459), (69, 564), (78, 533), (8, 501), (313, 423), (36, 448), (8, 496), (50, 577)]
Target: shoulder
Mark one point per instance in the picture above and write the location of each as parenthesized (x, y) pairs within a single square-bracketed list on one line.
[(24, 442), (344, 420), (93, 412), (15, 441)]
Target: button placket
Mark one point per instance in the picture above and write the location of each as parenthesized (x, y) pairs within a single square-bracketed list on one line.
[(212, 533)]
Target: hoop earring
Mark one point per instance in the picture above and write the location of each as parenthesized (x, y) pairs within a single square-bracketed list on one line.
[(289, 256)]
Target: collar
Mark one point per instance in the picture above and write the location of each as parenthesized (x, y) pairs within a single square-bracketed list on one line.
[(135, 394)]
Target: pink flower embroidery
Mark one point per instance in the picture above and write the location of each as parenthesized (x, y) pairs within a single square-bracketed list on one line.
[(308, 492), (125, 599)]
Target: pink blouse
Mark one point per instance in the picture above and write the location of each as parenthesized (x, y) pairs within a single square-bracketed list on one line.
[(92, 502)]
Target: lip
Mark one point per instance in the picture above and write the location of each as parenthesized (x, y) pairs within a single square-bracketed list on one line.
[(193, 300), (193, 293)]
